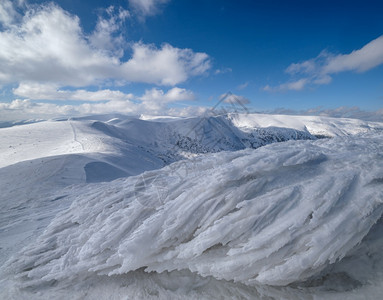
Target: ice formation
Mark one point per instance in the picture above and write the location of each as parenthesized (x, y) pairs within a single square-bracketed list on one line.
[(275, 215)]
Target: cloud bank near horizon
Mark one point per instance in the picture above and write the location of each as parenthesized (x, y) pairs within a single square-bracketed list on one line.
[(21, 109)]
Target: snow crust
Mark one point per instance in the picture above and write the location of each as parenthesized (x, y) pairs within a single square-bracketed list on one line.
[(275, 215), (288, 220)]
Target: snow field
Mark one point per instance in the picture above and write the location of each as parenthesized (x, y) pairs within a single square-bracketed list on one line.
[(296, 219)]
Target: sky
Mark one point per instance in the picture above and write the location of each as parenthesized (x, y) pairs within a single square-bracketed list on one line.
[(181, 57)]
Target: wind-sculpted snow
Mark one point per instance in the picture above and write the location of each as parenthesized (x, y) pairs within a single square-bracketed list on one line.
[(275, 215)]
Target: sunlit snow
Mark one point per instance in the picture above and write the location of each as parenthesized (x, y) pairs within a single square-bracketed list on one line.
[(260, 207)]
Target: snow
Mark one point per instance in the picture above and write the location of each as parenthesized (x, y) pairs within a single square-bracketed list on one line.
[(105, 205), (316, 125), (99, 134)]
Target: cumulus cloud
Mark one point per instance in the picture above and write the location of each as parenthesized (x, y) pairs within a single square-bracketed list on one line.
[(105, 35), (27, 109), (147, 7), (37, 91), (318, 70), (153, 101), (9, 11), (158, 100), (48, 45), (46, 55), (173, 95), (23, 109), (164, 66)]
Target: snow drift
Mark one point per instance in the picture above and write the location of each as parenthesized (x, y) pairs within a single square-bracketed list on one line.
[(275, 215)]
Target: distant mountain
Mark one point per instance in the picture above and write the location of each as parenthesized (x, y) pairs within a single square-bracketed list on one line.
[(124, 145)]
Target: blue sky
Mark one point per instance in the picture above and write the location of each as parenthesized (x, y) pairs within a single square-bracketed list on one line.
[(179, 57)]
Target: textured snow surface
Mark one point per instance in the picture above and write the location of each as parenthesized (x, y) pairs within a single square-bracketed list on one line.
[(296, 220), (275, 215)]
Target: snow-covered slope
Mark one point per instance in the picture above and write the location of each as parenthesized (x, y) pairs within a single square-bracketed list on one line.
[(275, 215), (98, 150), (316, 125), (103, 148), (99, 134)]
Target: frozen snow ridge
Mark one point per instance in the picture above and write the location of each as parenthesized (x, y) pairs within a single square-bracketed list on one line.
[(275, 215)]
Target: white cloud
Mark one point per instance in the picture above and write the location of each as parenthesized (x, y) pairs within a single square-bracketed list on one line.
[(147, 7), (243, 85), (157, 100), (173, 95), (105, 35), (165, 66), (153, 101), (304, 67), (288, 86), (27, 109), (323, 79), (49, 46), (339, 112), (223, 71), (234, 99), (36, 91), (189, 111), (294, 85), (8, 11), (364, 59), (46, 55), (318, 70)]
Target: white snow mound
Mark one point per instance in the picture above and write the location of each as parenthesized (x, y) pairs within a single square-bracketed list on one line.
[(275, 215)]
